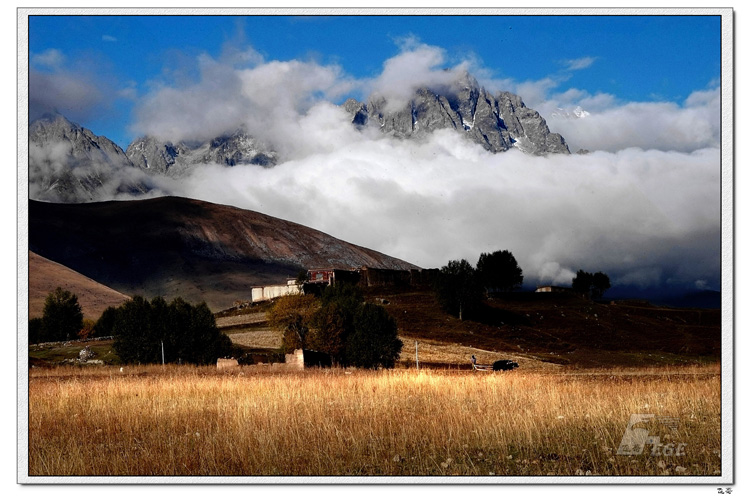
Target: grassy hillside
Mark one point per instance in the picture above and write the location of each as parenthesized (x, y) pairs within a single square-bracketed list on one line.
[(46, 275), (562, 329)]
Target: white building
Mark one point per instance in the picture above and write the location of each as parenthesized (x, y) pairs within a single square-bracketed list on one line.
[(263, 293)]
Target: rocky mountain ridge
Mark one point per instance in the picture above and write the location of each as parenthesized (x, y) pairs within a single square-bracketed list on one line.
[(164, 157), (497, 122), (69, 163)]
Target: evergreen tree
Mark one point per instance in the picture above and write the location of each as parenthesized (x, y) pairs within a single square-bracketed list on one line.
[(62, 317), (106, 322), (181, 331), (132, 330)]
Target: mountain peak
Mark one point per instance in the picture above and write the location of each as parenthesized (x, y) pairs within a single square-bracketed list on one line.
[(69, 163), (496, 122), (230, 149)]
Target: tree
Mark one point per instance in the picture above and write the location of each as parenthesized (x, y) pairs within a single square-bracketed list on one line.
[(35, 330), (499, 271), (202, 342), (292, 316), (458, 289), (132, 330), (592, 286), (332, 326), (333, 323), (105, 323), (340, 324), (62, 317), (374, 341), (599, 285), (301, 278)]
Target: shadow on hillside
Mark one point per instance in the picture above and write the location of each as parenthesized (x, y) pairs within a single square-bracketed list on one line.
[(498, 317)]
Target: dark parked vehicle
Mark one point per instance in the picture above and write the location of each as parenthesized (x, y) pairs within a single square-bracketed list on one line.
[(504, 365)]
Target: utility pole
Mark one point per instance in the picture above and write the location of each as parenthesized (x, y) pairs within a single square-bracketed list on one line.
[(162, 353), (416, 353)]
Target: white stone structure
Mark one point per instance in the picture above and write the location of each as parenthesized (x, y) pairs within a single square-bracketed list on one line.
[(263, 293)]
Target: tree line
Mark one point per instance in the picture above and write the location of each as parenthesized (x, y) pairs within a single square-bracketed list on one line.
[(145, 331), (460, 287)]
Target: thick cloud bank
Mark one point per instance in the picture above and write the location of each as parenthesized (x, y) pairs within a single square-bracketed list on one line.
[(665, 126), (644, 206), (648, 218)]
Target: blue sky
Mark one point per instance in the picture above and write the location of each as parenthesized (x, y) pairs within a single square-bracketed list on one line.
[(633, 58)]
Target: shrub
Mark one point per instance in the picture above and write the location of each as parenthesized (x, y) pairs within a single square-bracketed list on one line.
[(87, 329)]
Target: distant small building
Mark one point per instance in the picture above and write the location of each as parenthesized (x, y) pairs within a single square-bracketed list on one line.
[(553, 289), (319, 279), (264, 293)]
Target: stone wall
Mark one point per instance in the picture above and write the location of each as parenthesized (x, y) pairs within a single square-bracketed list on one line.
[(386, 277), (264, 293), (222, 364), (296, 360)]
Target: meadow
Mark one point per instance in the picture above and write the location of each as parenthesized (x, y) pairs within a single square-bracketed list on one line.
[(183, 420)]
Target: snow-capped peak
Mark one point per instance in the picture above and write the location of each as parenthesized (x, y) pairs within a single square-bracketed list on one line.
[(578, 112)]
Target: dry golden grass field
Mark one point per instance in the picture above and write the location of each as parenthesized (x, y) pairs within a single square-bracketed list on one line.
[(180, 420)]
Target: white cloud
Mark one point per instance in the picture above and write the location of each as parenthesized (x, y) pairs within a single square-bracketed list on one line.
[(644, 207), (269, 99), (74, 95), (613, 126), (580, 63), (77, 89), (644, 217), (416, 66), (50, 58)]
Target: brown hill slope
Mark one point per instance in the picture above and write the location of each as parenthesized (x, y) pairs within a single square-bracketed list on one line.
[(560, 329), (181, 247), (46, 275)]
